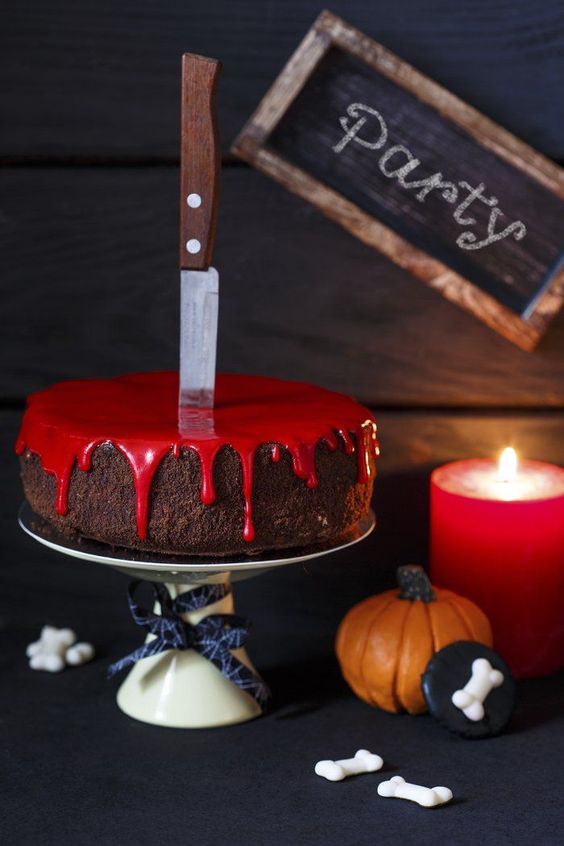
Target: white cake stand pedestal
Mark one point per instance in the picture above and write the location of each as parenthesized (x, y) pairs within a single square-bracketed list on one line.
[(181, 688)]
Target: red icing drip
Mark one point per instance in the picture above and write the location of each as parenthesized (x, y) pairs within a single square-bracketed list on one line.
[(207, 451), (304, 463), (63, 482), (247, 462), (348, 441), (367, 446), (143, 463), (331, 441), (138, 415)]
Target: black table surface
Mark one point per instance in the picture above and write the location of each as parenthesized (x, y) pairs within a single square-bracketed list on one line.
[(75, 770)]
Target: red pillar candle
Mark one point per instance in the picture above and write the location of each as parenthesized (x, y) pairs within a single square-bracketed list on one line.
[(497, 537)]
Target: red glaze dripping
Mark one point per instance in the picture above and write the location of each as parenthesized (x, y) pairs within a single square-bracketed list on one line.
[(138, 415)]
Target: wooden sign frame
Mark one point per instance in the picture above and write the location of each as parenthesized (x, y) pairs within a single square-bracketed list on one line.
[(329, 31)]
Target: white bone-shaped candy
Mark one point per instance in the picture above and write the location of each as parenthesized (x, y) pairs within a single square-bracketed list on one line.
[(79, 653), (48, 653), (363, 762), (471, 698), (398, 788)]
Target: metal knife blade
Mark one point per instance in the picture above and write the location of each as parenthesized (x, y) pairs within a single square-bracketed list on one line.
[(199, 305)]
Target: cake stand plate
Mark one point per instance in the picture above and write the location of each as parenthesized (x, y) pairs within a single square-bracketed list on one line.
[(181, 688)]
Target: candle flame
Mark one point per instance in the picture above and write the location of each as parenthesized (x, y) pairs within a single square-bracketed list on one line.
[(507, 467)]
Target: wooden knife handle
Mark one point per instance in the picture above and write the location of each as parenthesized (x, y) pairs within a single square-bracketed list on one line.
[(200, 161)]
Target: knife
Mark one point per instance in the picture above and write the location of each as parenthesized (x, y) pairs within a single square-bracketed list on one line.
[(200, 161)]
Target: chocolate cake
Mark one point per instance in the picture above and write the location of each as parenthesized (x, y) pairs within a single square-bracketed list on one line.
[(275, 465)]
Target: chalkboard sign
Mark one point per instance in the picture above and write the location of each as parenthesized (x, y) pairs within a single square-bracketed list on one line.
[(418, 174)]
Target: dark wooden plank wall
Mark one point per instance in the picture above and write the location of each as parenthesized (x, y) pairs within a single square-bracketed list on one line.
[(300, 298), (88, 207), (96, 78)]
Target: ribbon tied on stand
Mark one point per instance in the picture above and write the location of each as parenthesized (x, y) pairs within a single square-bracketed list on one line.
[(213, 637)]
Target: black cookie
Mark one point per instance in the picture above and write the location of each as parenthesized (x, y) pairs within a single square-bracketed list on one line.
[(449, 670)]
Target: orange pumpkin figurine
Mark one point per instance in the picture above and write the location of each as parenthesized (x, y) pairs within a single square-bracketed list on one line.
[(385, 642)]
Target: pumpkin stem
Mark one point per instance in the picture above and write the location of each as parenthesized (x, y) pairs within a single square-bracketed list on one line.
[(414, 583)]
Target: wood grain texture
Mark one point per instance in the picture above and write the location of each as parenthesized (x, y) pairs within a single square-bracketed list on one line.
[(200, 159), (454, 287), (96, 79), (90, 288), (513, 287)]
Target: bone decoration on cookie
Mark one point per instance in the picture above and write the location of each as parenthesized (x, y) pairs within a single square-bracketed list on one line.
[(471, 698)]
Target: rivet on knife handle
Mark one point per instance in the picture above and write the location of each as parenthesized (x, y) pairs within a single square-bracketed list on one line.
[(200, 161)]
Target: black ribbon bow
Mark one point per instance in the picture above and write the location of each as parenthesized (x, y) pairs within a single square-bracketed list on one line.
[(213, 637)]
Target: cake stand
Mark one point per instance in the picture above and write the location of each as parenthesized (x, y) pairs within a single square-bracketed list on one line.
[(181, 688)]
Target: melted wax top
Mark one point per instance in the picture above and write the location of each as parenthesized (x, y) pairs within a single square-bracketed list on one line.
[(138, 415)]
